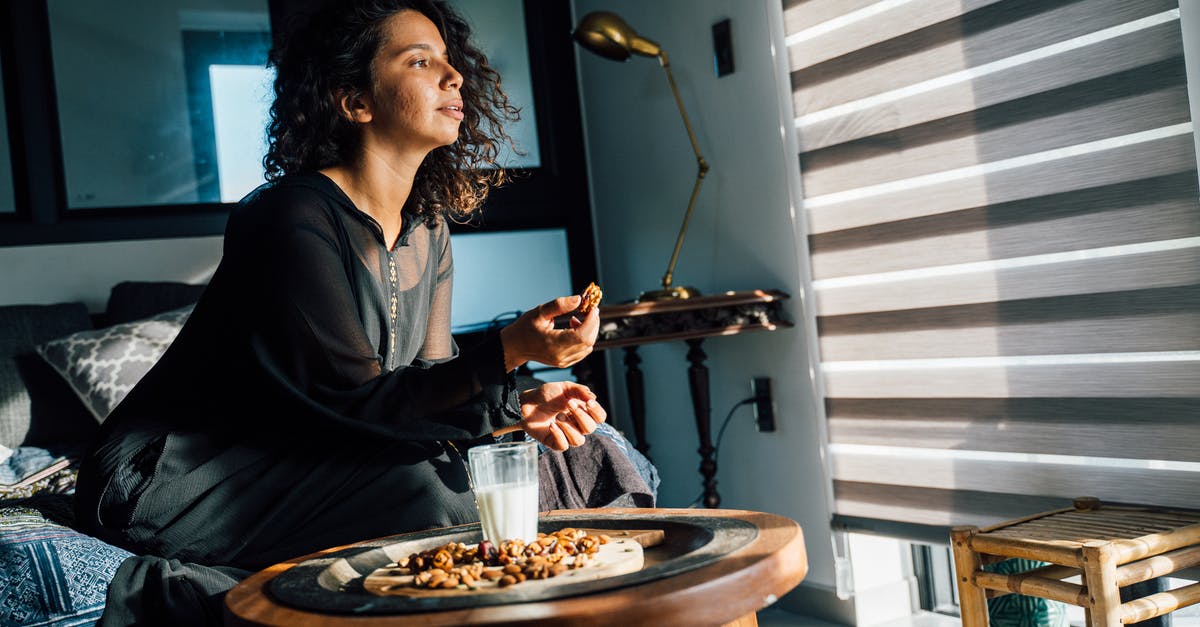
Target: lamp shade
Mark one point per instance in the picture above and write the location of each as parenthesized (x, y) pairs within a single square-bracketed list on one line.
[(607, 35)]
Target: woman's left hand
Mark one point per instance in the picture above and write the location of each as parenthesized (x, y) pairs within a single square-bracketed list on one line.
[(560, 414)]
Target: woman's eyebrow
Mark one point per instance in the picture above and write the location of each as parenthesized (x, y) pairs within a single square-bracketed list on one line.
[(420, 46)]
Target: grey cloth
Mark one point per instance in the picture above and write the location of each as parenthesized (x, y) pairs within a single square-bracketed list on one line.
[(644, 466), (39, 408), (597, 474)]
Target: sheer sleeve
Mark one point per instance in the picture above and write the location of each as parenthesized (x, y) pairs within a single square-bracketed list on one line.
[(439, 344), (305, 334)]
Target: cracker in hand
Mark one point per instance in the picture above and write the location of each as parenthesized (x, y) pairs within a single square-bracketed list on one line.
[(590, 299)]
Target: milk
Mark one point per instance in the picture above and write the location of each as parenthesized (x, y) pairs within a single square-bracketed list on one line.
[(507, 511)]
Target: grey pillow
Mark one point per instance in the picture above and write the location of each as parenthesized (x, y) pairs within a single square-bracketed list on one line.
[(103, 365)]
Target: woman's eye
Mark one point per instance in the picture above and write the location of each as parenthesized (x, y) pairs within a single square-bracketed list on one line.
[(420, 63)]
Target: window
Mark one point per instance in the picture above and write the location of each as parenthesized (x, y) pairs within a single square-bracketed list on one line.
[(1001, 200), (183, 91), (499, 29), (485, 290), (229, 97), (240, 99), (121, 116), (135, 109), (488, 294)]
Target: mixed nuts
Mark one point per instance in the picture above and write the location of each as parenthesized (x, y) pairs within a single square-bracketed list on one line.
[(456, 565)]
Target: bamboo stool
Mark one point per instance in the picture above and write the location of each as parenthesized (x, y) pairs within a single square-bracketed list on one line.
[(1111, 546)]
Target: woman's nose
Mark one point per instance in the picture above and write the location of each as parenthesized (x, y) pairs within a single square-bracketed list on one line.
[(452, 79)]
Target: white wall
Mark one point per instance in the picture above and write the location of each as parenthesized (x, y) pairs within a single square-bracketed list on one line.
[(742, 236), (86, 272)]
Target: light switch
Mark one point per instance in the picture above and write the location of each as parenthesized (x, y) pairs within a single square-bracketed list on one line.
[(722, 48)]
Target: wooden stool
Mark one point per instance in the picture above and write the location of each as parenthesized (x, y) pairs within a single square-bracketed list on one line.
[(1111, 546)]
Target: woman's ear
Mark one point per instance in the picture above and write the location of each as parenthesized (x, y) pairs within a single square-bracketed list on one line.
[(354, 106)]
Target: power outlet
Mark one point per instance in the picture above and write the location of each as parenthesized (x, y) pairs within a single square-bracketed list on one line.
[(764, 404)]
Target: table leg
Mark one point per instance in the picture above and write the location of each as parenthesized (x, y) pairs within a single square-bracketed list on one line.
[(972, 598), (698, 381), (636, 388), (1100, 579)]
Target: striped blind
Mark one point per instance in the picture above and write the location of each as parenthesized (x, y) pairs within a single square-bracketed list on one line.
[(1001, 199)]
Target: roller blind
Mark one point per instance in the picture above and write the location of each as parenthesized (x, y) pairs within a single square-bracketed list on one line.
[(1001, 200)]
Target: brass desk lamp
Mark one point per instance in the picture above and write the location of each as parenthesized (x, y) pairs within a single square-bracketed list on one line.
[(607, 35)]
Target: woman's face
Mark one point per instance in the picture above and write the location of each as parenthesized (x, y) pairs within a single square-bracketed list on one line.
[(415, 102)]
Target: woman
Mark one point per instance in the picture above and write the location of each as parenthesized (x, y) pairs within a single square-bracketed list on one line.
[(315, 396)]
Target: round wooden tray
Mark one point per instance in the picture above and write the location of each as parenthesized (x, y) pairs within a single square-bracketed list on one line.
[(333, 583)]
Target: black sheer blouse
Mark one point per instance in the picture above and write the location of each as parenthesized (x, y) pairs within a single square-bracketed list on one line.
[(311, 318), (307, 399)]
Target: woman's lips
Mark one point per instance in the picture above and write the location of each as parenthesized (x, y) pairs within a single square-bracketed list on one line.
[(453, 110)]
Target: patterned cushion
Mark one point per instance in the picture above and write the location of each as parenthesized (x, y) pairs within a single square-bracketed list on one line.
[(103, 365), (51, 574)]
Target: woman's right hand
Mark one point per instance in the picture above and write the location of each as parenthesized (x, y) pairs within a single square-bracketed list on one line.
[(561, 414), (533, 336)]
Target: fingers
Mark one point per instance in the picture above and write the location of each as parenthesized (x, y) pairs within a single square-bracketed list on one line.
[(556, 439), (581, 419), (573, 390), (572, 435), (559, 306), (534, 337), (596, 411), (561, 415), (589, 327)]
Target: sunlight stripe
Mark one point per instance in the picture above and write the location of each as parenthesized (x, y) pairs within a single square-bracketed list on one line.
[(1066, 152), (1106, 252), (941, 363), (842, 21), (987, 68), (875, 450)]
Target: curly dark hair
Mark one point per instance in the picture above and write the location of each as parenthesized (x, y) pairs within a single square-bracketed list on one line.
[(331, 52)]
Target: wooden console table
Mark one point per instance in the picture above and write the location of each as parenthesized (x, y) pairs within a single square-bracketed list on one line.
[(691, 320)]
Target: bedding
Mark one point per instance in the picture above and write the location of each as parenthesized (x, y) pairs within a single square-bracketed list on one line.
[(51, 574)]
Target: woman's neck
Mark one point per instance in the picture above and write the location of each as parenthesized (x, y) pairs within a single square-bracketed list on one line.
[(379, 187)]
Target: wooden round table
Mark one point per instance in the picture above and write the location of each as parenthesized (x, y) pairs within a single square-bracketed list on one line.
[(727, 590)]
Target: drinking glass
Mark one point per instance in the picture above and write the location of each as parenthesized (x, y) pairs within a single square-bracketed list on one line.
[(505, 480)]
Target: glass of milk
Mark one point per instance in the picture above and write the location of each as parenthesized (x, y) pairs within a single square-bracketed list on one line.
[(505, 479)]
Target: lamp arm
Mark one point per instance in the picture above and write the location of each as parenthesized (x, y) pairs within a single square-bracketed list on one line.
[(667, 278), (702, 170), (687, 124)]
